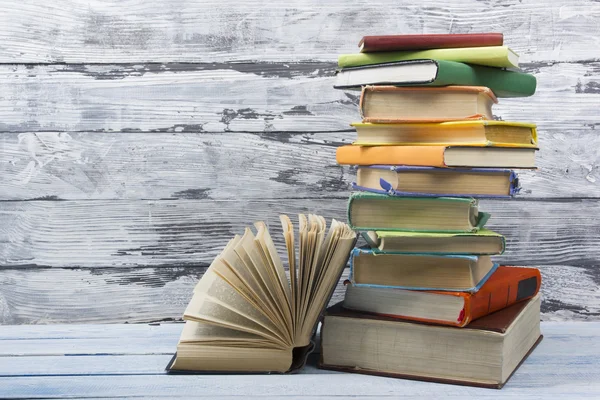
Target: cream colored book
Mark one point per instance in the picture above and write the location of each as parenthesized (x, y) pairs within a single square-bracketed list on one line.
[(484, 353), (245, 316)]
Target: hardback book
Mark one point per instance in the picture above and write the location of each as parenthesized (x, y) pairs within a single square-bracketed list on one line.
[(464, 133), (372, 212), (373, 44), (492, 56), (438, 156), (506, 286), (485, 353), (244, 315), (431, 181), (419, 271), (482, 242), (503, 83), (389, 104)]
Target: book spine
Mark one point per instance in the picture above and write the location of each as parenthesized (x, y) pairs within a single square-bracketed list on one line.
[(503, 83), (370, 44), (517, 284), (361, 104), (496, 56)]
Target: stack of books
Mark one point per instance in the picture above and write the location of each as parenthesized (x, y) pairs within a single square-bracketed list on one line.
[(424, 299)]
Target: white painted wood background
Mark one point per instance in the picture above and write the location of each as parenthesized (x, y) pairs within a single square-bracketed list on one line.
[(136, 137)]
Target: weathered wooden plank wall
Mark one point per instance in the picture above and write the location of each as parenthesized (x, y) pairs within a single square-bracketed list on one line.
[(138, 136)]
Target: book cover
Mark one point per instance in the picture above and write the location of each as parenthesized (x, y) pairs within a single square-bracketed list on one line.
[(389, 189), (382, 235), (494, 56), (506, 286), (481, 218), (503, 83), (481, 92), (495, 133), (372, 44), (498, 323), (427, 156), (357, 251)]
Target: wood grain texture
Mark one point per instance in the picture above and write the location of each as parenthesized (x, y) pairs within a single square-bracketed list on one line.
[(564, 365), (82, 31), (133, 295), (86, 364), (173, 97), (226, 111), (242, 166), (184, 165), (232, 97), (103, 233)]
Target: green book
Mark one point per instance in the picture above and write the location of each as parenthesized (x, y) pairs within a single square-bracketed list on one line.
[(482, 242), (493, 56), (502, 82), (379, 212)]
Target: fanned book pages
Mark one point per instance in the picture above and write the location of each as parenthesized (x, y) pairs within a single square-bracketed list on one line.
[(245, 316)]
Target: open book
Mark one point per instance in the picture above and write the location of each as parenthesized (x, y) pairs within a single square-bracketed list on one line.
[(245, 316)]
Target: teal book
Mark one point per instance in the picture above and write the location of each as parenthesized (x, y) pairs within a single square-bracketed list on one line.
[(379, 212), (419, 271), (503, 83)]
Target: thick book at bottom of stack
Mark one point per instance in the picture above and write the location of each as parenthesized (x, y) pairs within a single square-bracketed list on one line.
[(485, 353)]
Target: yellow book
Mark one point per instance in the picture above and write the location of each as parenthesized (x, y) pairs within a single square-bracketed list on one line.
[(493, 56), (464, 133)]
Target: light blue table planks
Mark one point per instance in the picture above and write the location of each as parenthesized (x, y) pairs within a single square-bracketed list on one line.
[(127, 361)]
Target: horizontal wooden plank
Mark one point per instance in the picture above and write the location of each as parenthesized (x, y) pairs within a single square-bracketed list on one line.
[(151, 364), (88, 347), (185, 165), (242, 166), (117, 295), (564, 364), (105, 233), (85, 365), (76, 331), (232, 97), (207, 31)]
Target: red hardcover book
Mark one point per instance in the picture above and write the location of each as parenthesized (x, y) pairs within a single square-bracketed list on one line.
[(373, 44), (506, 286)]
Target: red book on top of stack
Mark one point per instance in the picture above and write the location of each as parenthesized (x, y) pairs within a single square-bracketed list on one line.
[(373, 44)]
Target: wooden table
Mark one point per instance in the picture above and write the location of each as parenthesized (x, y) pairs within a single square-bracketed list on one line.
[(127, 361)]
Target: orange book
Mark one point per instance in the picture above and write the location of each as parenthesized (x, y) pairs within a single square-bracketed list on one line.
[(438, 156), (506, 286)]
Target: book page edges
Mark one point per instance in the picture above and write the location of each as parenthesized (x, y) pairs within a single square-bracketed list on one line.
[(473, 289), (468, 89), (490, 385)]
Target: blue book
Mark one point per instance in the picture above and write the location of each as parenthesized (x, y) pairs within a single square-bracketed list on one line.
[(419, 271), (437, 182)]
